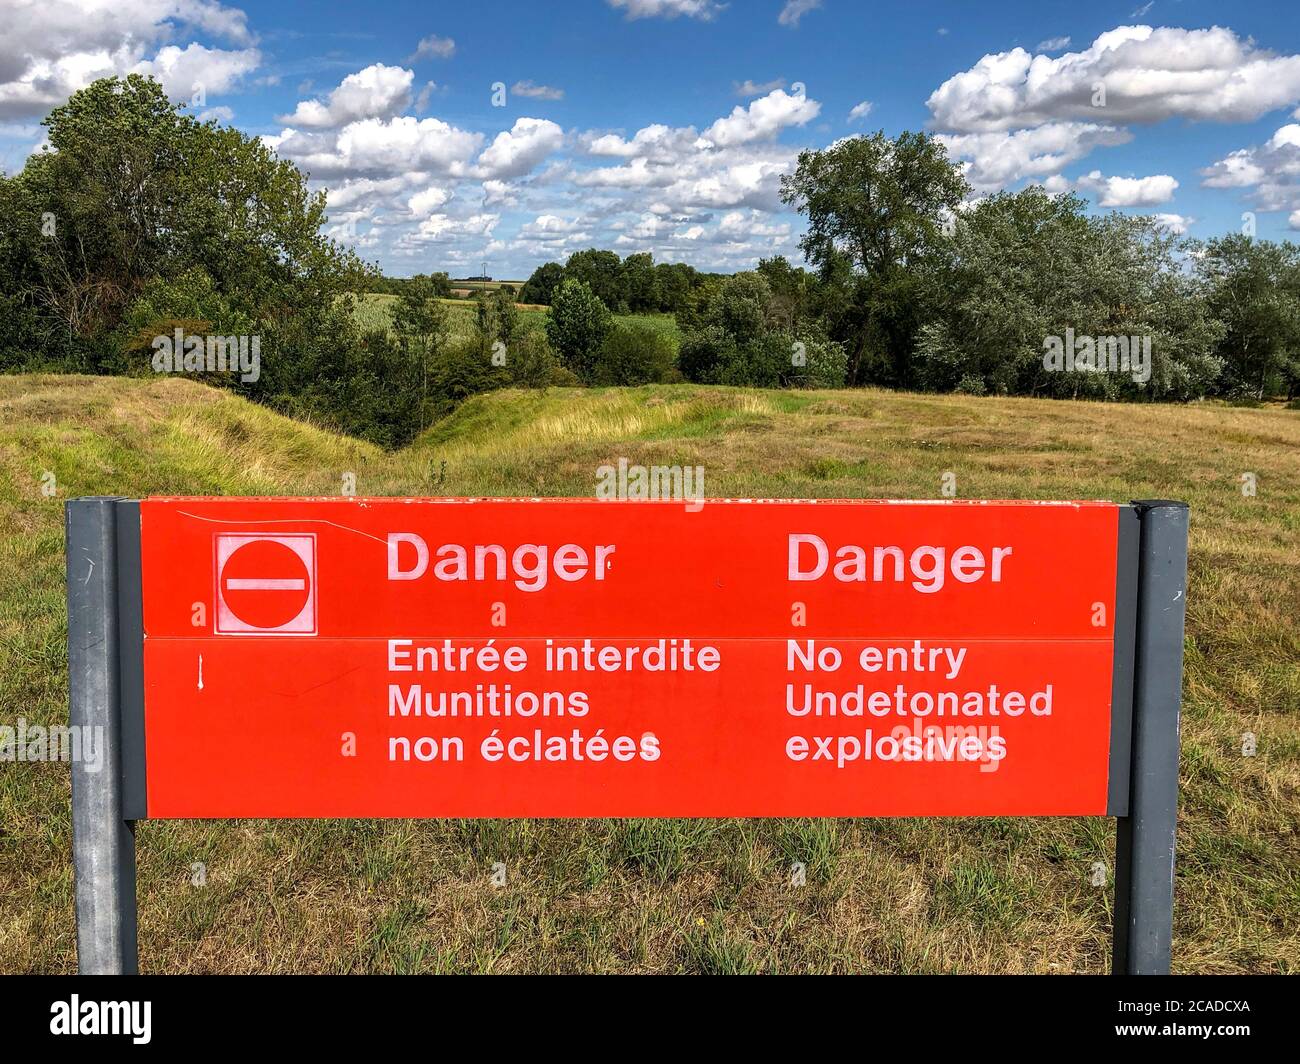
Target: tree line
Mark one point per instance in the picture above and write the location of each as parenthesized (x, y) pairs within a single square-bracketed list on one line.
[(914, 285), (634, 285), (138, 223)]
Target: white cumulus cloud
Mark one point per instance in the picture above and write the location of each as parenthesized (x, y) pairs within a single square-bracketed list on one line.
[(1149, 75), (996, 159), (378, 91), (51, 48), (762, 119), (519, 149), (1175, 223), (537, 92), (1270, 171), (1015, 115), (428, 200), (1129, 191)]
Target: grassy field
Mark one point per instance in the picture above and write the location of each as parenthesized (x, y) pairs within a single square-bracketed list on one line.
[(993, 895), (374, 310)]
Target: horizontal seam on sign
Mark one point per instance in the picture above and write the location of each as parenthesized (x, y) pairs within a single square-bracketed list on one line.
[(1103, 641)]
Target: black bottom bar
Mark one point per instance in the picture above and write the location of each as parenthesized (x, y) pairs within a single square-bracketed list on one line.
[(903, 1015)]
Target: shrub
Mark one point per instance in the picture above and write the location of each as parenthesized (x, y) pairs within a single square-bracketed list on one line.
[(532, 364), (635, 352), (464, 368), (826, 364), (190, 302)]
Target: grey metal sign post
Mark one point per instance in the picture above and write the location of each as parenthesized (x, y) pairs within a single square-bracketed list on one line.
[(1144, 844), (103, 842), (106, 691)]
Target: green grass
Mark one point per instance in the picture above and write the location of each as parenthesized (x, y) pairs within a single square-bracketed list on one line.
[(374, 310), (930, 895)]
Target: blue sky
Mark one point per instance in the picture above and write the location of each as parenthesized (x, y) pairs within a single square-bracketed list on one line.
[(664, 125)]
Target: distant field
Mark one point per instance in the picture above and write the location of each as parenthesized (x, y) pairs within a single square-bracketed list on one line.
[(375, 311), (485, 286), (892, 895)]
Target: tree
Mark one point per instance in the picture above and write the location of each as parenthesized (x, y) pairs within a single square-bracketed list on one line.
[(374, 392), (532, 362), (576, 326), (791, 290), (462, 371), (1023, 270), (131, 190), (421, 325), (737, 337), (877, 206), (603, 273), (639, 284), (540, 287), (100, 199), (673, 284), (189, 302), (496, 318), (1253, 287), (741, 307)]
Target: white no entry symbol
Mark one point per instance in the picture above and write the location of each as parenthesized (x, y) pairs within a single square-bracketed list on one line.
[(266, 584)]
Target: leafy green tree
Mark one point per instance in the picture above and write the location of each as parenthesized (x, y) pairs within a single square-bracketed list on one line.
[(189, 302), (674, 282), (420, 316), (421, 325), (602, 272), (791, 291), (742, 307), (1023, 268), (461, 371), (1253, 287), (496, 317), (577, 325), (540, 287), (704, 351), (817, 363), (640, 284), (878, 207), (29, 339), (99, 201), (131, 190), (737, 337), (375, 392)]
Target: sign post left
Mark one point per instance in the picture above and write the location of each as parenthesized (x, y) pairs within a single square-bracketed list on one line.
[(103, 840)]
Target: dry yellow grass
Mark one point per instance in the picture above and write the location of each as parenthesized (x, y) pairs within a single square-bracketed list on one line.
[(883, 895)]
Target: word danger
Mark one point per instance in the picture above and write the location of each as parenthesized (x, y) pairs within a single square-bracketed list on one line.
[(530, 565), (929, 567)]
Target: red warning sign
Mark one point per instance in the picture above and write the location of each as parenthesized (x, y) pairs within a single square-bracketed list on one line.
[(579, 658)]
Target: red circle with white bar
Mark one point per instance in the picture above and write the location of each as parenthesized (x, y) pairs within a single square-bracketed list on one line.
[(266, 584)]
